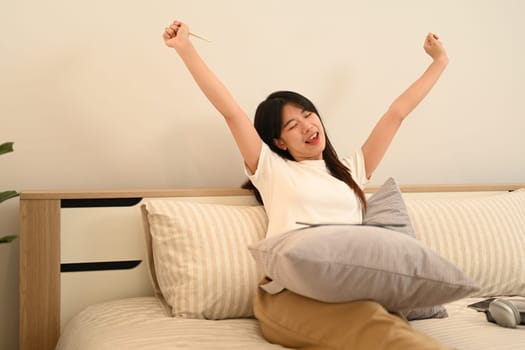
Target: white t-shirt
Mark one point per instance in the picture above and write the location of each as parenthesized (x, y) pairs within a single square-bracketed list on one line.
[(305, 191)]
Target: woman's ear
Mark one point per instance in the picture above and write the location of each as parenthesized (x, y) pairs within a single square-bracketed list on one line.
[(280, 144)]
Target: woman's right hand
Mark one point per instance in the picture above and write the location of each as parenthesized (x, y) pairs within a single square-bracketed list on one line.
[(176, 34)]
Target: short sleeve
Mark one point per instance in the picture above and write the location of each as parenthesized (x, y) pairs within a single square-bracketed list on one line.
[(356, 164), (260, 162), (261, 178)]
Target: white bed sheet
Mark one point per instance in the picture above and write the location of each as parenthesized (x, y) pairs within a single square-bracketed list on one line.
[(141, 323)]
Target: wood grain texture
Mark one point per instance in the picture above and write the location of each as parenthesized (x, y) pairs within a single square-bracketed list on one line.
[(39, 274), (210, 192)]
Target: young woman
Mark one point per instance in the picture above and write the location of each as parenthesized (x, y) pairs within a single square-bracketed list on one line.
[(291, 162)]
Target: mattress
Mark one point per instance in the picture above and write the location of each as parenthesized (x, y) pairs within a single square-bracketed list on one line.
[(142, 323)]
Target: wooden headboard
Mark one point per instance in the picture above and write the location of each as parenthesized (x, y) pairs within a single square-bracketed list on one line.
[(41, 222)]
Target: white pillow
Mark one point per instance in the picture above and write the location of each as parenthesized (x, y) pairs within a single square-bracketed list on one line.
[(201, 263), (343, 263), (483, 236)]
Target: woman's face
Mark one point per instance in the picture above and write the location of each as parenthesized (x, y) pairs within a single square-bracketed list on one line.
[(302, 133)]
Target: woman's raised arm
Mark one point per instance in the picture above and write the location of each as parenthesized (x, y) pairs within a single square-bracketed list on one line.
[(248, 141), (381, 136)]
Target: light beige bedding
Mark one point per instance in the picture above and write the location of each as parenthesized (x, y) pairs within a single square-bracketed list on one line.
[(142, 323), (466, 329)]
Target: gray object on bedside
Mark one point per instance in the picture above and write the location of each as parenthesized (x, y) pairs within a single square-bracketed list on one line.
[(506, 312)]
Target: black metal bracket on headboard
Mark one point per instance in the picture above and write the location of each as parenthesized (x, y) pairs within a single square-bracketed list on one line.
[(99, 266), (99, 202)]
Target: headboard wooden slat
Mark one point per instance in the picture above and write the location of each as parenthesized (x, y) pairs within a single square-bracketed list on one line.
[(209, 192), (39, 273)]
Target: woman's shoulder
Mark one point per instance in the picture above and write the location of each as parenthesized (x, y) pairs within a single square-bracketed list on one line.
[(356, 163)]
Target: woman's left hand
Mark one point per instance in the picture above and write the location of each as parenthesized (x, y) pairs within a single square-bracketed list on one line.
[(434, 48)]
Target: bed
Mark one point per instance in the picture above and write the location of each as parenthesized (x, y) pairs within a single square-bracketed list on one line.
[(88, 278)]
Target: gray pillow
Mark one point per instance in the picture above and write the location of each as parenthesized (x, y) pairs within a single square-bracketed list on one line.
[(342, 263), (387, 208)]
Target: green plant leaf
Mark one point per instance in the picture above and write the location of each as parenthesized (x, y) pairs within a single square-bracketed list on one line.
[(7, 195), (7, 239), (6, 147)]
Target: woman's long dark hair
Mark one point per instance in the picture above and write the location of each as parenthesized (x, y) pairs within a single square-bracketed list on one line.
[(268, 123)]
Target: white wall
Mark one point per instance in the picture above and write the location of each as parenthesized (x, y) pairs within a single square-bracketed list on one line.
[(93, 99)]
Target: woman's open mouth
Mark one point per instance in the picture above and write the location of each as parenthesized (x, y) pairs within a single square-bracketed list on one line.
[(313, 139)]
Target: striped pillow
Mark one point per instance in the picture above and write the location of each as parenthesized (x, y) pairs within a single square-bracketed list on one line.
[(483, 236), (201, 262)]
